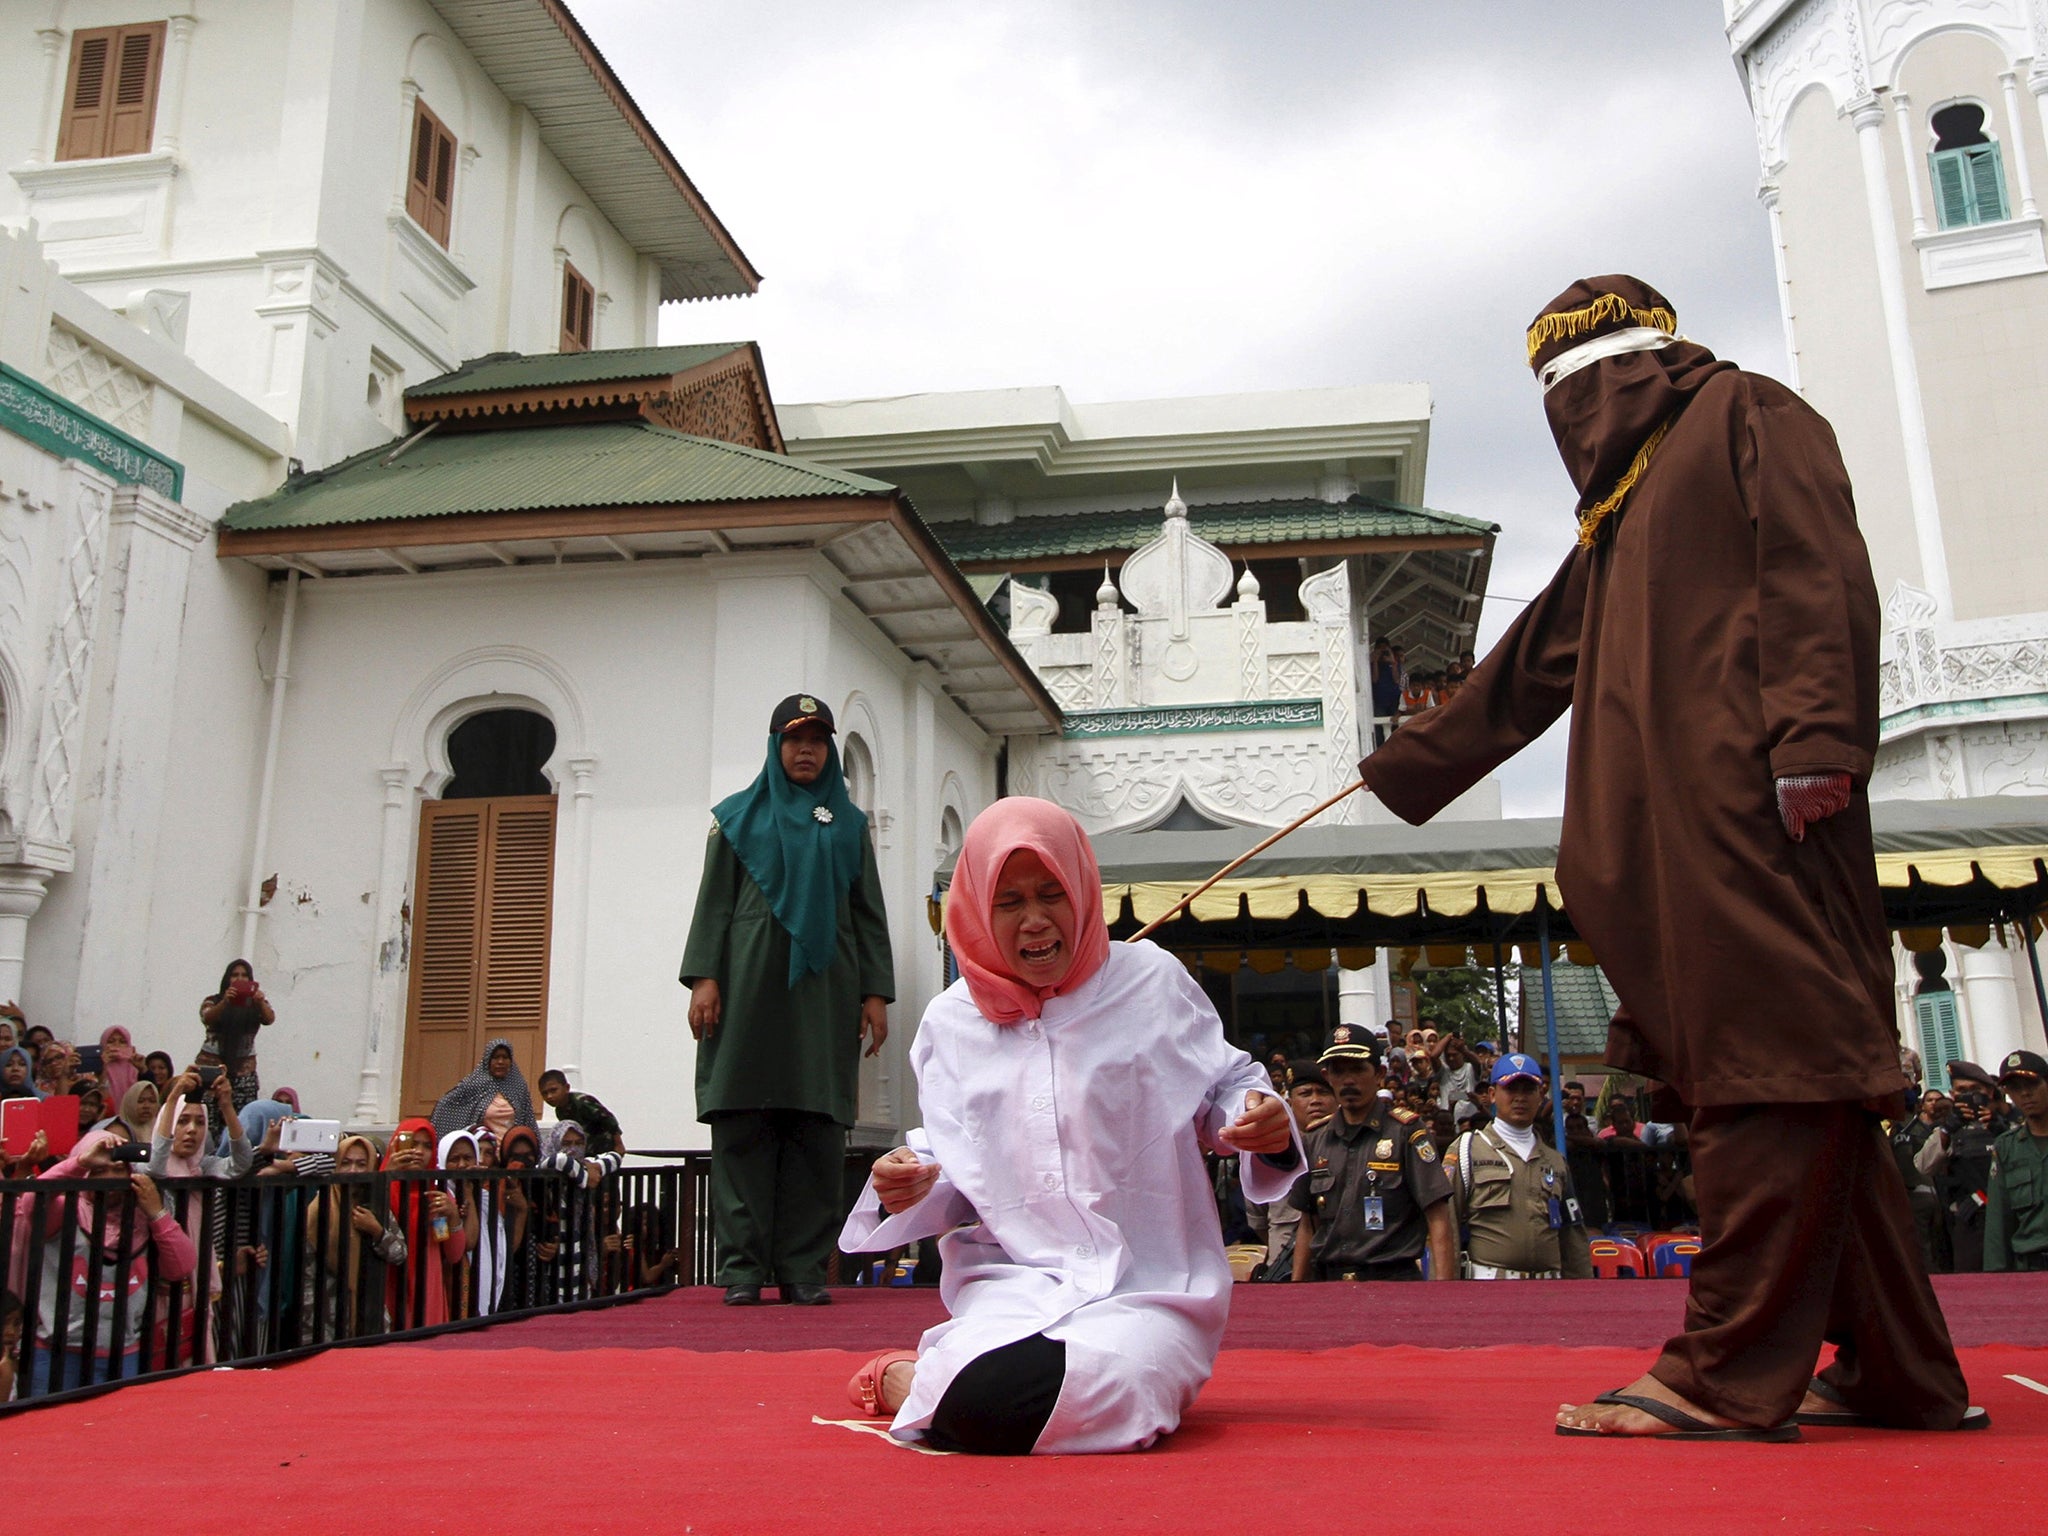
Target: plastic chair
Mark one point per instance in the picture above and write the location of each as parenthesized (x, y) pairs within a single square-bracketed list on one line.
[(1672, 1258), (1614, 1259)]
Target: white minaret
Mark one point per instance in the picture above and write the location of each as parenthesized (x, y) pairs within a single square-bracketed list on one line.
[(1900, 142)]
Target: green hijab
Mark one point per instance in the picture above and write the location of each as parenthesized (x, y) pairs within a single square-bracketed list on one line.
[(804, 846)]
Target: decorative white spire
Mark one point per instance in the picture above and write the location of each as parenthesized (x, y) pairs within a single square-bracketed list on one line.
[(1247, 585), (1105, 595), (1175, 507)]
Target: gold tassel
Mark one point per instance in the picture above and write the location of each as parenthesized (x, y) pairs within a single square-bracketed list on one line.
[(1576, 322), (1591, 519)]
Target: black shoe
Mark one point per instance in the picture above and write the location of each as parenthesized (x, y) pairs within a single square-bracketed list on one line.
[(743, 1295), (807, 1295)]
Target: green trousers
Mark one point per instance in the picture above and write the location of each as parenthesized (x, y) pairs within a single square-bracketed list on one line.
[(775, 1195)]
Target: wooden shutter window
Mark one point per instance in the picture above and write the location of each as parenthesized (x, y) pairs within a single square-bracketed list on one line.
[(579, 306), (110, 95), (1969, 185), (430, 180), (483, 911)]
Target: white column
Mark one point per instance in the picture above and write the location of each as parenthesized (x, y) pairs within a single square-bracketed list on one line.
[(1768, 194), (1994, 1003), (171, 87), (149, 559), (1903, 106), (252, 905), (1868, 116), (1361, 997), (22, 888), (2037, 82), (2016, 136), (377, 1091), (50, 122), (565, 1010)]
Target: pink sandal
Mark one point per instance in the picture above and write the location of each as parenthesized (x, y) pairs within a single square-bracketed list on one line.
[(866, 1387)]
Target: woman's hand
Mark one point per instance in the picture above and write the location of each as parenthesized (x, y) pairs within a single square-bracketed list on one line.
[(705, 1007), (184, 1085), (514, 1196), (1261, 1128), (365, 1221), (148, 1197), (874, 1023), (902, 1179), (438, 1204), (224, 1100)]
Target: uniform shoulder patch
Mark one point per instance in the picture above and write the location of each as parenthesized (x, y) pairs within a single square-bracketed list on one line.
[(1403, 1114), (1426, 1150)]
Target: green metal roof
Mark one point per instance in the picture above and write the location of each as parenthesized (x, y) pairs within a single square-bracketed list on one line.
[(542, 370), (1233, 523), (592, 464), (1585, 1002)]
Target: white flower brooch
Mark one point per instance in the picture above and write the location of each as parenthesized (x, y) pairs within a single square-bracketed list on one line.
[(822, 813)]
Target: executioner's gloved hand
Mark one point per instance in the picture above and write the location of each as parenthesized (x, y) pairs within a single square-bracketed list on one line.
[(1804, 798)]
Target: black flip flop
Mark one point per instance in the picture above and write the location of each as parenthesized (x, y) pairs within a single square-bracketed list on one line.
[(1683, 1425), (1848, 1418)]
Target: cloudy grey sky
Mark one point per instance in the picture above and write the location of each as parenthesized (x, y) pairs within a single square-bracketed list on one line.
[(1135, 198)]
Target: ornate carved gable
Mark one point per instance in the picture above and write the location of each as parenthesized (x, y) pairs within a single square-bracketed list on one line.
[(724, 397), (730, 404)]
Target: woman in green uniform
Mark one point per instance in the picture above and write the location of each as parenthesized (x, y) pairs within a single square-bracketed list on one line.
[(789, 969)]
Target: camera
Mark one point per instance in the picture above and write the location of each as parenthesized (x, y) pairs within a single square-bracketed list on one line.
[(207, 1077), (241, 988), (130, 1152)]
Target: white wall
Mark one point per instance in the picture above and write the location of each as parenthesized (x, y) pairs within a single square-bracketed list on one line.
[(282, 206), (672, 669)]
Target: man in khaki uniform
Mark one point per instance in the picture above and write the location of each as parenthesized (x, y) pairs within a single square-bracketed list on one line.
[(1512, 1195)]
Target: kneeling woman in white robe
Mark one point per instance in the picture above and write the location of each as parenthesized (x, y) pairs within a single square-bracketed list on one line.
[(1068, 1086)]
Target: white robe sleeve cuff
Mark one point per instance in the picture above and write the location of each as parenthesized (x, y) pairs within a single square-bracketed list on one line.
[(869, 1230)]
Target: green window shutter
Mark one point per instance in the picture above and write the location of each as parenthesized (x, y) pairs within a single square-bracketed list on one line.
[(1951, 187), (1987, 184), (1941, 1035)]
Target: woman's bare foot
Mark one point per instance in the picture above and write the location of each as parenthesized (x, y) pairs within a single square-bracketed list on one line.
[(1620, 1419), (896, 1385)]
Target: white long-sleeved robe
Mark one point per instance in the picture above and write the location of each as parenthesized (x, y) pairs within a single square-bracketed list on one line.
[(1072, 1199)]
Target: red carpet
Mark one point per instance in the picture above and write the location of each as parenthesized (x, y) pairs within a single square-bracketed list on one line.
[(517, 1422)]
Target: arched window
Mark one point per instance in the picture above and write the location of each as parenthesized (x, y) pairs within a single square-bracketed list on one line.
[(500, 752), (859, 764), (1969, 177), (950, 833)]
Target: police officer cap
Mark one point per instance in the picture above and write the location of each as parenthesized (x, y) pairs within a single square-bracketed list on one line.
[(1970, 1072), (1351, 1042), (1514, 1065), (1486, 1048), (800, 709), (2022, 1061)]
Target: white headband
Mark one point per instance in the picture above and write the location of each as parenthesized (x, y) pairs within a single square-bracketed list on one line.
[(1640, 338)]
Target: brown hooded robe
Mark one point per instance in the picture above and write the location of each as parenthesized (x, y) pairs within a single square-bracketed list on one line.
[(1718, 631)]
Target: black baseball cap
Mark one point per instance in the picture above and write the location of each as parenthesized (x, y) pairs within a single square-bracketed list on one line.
[(1351, 1042), (1969, 1072), (2017, 1062), (800, 709)]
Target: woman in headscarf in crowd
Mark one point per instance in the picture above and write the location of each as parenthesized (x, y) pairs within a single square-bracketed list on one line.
[(289, 1098), (92, 1107), (1069, 1089), (569, 1213), (18, 1075), (343, 1224), (119, 1065), (266, 1222), (431, 1223), (232, 1017), (140, 1106), (177, 1150), (158, 1067), (459, 1154), (56, 1068), (469, 1101), (519, 1153), (95, 1261), (10, 1029)]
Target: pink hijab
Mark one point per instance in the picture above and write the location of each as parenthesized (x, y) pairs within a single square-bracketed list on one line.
[(118, 1073), (1003, 829)]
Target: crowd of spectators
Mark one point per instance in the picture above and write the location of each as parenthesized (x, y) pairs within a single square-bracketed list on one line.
[(1947, 1147), (1401, 692), (210, 1237)]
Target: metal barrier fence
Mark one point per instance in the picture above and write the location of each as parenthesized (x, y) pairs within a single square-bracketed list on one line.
[(267, 1267)]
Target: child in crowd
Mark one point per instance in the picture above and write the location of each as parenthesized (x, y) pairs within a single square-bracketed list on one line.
[(601, 1130)]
